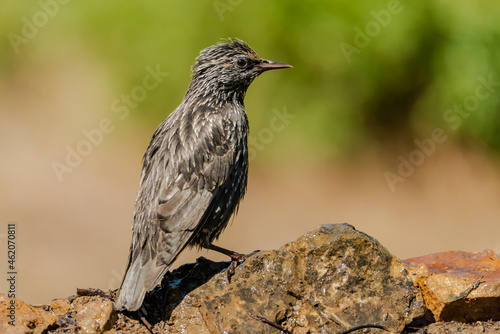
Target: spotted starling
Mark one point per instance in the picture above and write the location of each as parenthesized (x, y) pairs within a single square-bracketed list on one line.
[(195, 168)]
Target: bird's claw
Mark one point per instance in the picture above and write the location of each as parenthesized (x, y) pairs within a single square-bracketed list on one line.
[(236, 258)]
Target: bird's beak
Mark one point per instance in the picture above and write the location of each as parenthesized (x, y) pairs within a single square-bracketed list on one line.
[(266, 65)]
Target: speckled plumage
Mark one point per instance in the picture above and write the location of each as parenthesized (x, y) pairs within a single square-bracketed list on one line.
[(195, 168)]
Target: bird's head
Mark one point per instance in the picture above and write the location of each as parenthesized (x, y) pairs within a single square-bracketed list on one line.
[(229, 67)]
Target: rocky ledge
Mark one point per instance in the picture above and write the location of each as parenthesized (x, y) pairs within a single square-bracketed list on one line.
[(334, 279)]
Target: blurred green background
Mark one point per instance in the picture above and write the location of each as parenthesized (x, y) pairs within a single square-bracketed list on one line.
[(396, 85), (368, 80)]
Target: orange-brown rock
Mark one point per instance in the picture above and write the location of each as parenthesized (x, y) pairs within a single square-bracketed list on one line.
[(459, 285), (18, 317), (60, 306), (479, 327), (82, 315), (94, 314)]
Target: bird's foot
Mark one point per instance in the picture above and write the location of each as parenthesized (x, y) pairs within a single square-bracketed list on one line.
[(236, 258)]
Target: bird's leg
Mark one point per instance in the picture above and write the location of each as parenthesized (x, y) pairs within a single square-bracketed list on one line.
[(144, 321), (235, 257)]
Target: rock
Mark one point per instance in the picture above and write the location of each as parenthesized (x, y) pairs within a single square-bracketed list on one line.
[(28, 319), (124, 325), (93, 314), (333, 278), (60, 306), (82, 315), (459, 327), (458, 285)]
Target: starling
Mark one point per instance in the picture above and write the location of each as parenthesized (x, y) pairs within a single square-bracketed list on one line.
[(195, 168)]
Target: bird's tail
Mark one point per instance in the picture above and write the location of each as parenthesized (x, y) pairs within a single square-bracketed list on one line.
[(139, 279), (146, 269)]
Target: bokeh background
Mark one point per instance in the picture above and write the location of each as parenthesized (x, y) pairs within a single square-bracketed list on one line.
[(389, 121)]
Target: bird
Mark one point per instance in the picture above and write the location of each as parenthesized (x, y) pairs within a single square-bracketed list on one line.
[(195, 169)]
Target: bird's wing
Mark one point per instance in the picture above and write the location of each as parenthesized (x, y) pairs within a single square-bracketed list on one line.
[(204, 145), (195, 160)]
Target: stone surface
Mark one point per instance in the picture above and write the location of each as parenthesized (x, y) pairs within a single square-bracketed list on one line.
[(458, 285), (331, 279), (124, 324), (479, 327), (82, 315), (60, 306), (28, 319), (93, 314)]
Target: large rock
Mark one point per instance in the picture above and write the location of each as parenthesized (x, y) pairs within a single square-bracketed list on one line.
[(458, 285), (333, 278)]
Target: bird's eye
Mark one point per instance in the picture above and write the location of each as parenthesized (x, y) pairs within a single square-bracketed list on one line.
[(241, 62)]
